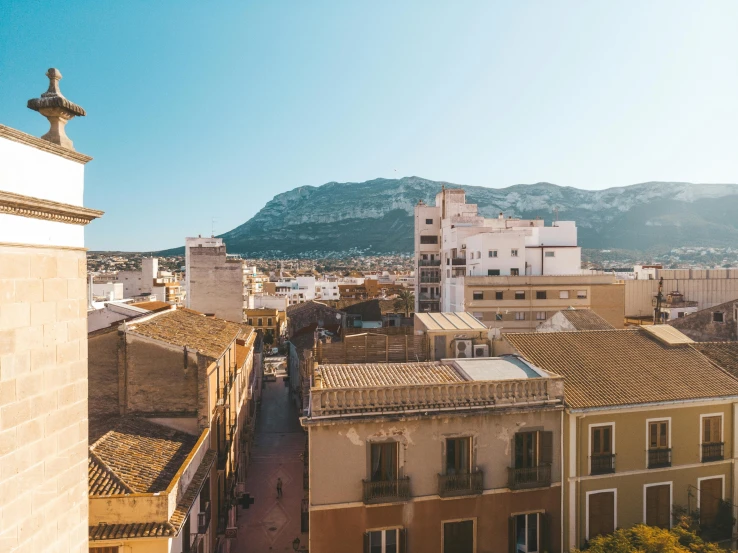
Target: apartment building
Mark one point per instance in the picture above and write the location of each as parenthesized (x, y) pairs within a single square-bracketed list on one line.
[(306, 288), (268, 320), (522, 303), (150, 280), (214, 282), (452, 240), (649, 429), (191, 374), (452, 456), (43, 353)]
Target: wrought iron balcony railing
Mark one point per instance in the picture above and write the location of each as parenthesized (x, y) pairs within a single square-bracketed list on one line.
[(386, 491), (659, 458), (429, 263), (603, 463), (529, 477), (713, 452), (465, 483)]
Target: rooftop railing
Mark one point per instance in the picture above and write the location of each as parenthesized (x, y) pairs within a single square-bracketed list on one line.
[(460, 395)]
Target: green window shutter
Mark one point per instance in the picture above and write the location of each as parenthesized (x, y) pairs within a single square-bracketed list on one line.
[(546, 445)]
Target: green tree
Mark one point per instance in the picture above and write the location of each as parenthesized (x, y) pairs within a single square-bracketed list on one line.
[(269, 337), (405, 302), (651, 539)]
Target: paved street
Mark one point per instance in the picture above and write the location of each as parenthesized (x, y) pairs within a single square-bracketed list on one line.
[(271, 524)]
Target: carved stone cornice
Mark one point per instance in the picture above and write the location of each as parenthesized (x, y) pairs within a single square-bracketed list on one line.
[(41, 144), (36, 208)]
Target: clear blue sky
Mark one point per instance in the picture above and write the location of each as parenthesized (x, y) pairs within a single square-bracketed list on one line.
[(200, 109)]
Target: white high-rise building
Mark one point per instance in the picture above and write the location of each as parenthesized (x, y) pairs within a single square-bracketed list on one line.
[(453, 241)]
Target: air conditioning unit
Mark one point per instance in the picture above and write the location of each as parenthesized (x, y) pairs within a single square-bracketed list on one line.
[(481, 350), (463, 349)]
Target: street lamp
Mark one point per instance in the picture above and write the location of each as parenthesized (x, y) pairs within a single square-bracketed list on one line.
[(296, 544)]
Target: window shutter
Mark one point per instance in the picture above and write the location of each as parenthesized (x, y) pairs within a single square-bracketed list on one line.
[(366, 542), (403, 540), (544, 519), (546, 444), (511, 535)]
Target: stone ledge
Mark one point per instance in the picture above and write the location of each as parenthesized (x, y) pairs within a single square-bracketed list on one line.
[(41, 144), (36, 208)]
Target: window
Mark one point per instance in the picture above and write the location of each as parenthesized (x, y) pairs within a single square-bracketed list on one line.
[(513, 253), (458, 455), (424, 257), (493, 272), (498, 295), (659, 452), (514, 272), (680, 314), (478, 295), (540, 316), (710, 496), (564, 294), (479, 255), (269, 321), (478, 315), (429, 239), (718, 317), (657, 506), (520, 315), (600, 513), (712, 438), (527, 531), (493, 253), (259, 322), (540, 294), (185, 532), (533, 449), (498, 316), (550, 254), (458, 537), (429, 221), (384, 462), (581, 294), (519, 294), (251, 322), (602, 460), (384, 541)]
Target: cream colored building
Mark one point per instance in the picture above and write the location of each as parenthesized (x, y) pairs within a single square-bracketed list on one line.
[(43, 329), (520, 304)]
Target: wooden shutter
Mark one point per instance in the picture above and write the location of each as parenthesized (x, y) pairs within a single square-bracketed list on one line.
[(711, 430), (658, 506), (546, 448), (402, 540), (512, 532), (711, 494), (601, 513)]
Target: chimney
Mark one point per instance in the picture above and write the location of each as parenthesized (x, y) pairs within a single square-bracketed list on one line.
[(57, 109)]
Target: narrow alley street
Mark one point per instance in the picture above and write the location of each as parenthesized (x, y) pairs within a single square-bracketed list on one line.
[(272, 523)]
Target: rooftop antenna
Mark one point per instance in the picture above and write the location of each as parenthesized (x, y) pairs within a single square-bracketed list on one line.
[(212, 227)]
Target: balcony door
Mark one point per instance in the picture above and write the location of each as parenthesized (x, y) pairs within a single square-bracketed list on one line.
[(600, 513), (711, 495), (384, 462), (601, 457), (533, 449), (458, 456), (458, 537)]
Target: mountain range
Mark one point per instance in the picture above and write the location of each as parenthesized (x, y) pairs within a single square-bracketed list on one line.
[(376, 217)]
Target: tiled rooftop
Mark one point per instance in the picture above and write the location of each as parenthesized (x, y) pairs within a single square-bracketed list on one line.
[(586, 319), (623, 367), (103, 481), (388, 374), (723, 354), (131, 530), (138, 454), (193, 489), (184, 327)]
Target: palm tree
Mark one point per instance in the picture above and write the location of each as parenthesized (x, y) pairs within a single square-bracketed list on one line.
[(405, 302)]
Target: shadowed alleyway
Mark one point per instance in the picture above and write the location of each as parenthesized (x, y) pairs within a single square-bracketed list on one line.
[(271, 524)]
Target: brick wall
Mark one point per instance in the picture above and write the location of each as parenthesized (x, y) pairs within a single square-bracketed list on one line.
[(43, 399)]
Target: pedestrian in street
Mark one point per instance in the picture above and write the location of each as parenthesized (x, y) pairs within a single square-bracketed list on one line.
[(279, 487)]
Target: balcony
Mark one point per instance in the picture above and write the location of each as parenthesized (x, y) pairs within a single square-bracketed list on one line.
[(529, 477), (203, 520), (429, 263), (430, 279), (602, 464), (386, 491), (458, 261), (659, 458), (428, 297), (713, 452), (468, 483)]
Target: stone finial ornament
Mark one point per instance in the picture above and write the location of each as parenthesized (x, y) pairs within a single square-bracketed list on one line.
[(57, 109)]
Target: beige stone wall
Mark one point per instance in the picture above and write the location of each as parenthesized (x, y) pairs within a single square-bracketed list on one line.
[(216, 285), (43, 399)]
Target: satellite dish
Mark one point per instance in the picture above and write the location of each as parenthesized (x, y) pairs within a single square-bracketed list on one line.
[(338, 315)]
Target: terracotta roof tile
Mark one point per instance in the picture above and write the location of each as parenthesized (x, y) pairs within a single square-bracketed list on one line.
[(193, 489), (387, 374), (142, 455), (723, 354), (183, 327), (103, 481), (586, 319), (131, 530), (623, 367)]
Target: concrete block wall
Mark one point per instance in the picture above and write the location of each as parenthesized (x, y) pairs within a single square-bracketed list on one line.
[(43, 399)]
